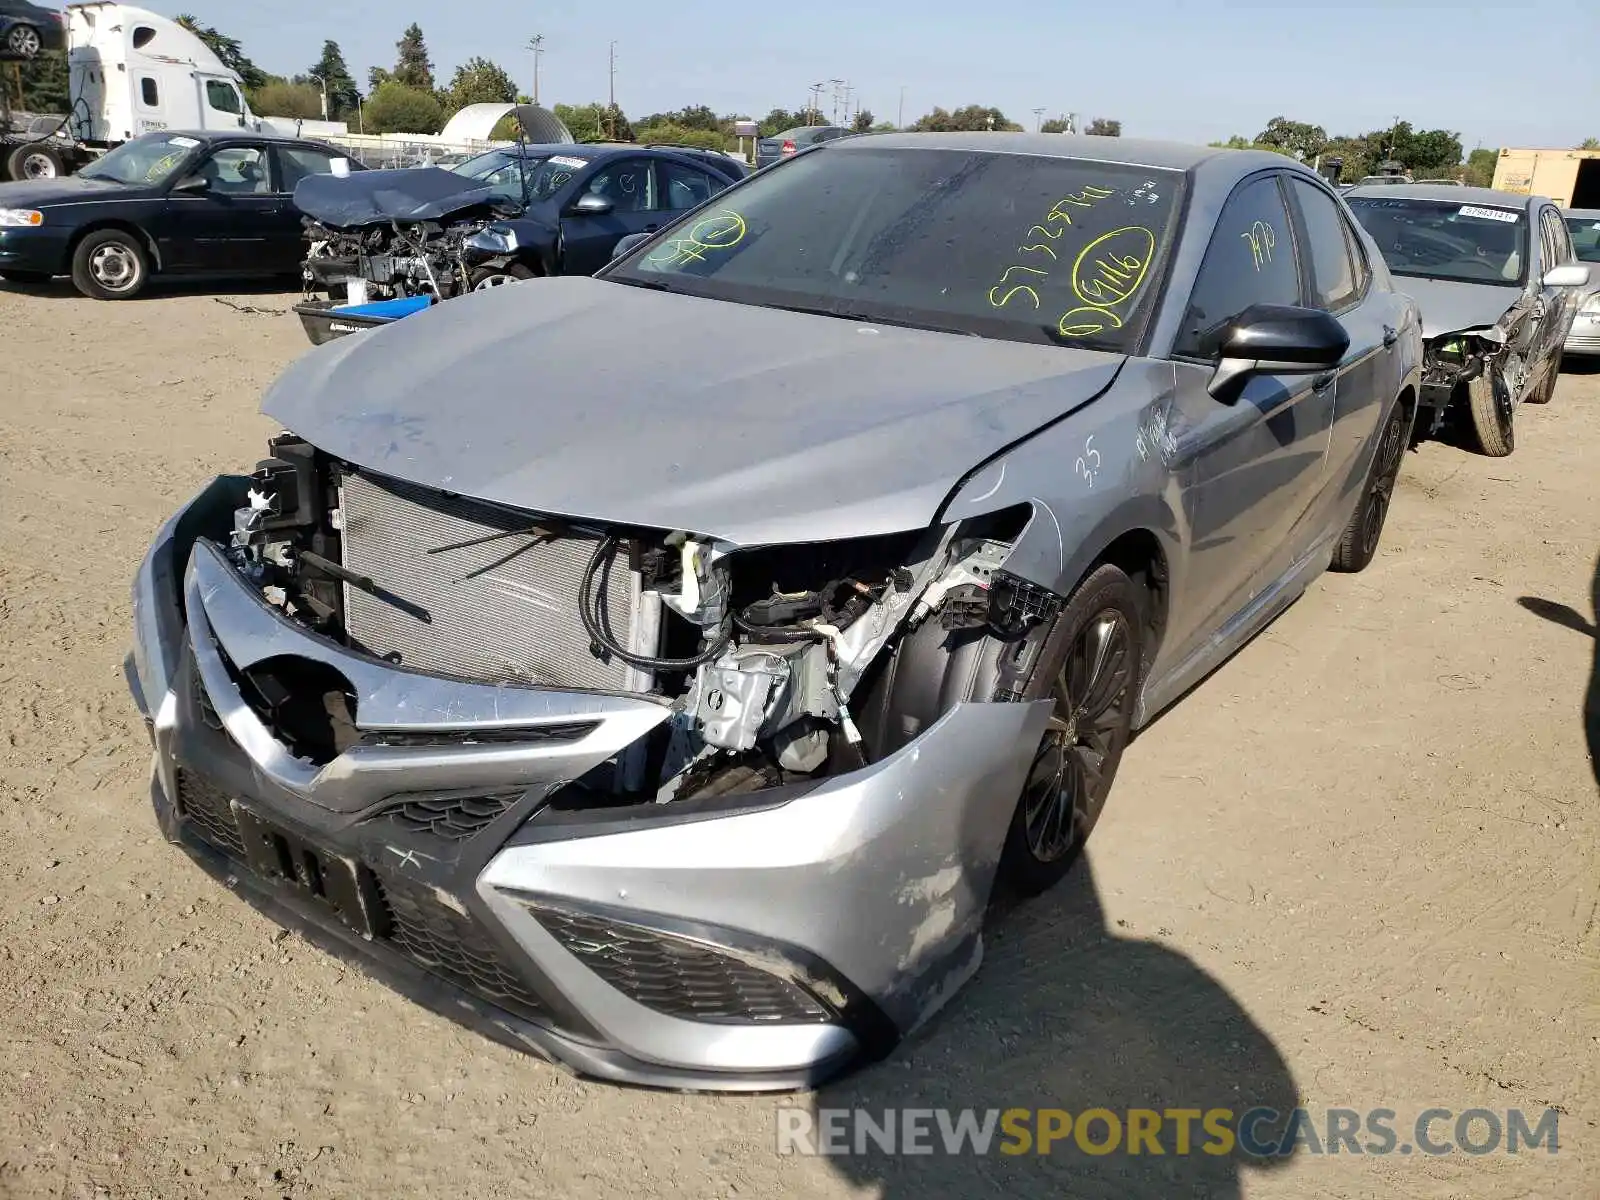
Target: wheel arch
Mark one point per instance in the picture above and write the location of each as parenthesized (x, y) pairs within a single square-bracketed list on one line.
[(123, 225)]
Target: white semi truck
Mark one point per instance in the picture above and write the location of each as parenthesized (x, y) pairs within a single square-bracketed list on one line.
[(131, 72)]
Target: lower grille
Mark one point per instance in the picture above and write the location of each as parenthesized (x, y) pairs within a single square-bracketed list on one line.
[(453, 945), (678, 976), (502, 600), (453, 820), (210, 814)]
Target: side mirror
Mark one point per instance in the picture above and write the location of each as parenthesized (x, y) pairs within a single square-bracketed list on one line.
[(1275, 339), (626, 245), (591, 205), (1570, 276), (192, 185)]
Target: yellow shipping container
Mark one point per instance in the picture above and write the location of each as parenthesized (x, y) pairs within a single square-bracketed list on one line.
[(1569, 177)]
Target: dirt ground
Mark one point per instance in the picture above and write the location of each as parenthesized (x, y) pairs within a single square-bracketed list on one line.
[(1356, 868)]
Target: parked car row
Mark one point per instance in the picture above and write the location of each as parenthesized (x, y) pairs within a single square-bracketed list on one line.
[(679, 713)]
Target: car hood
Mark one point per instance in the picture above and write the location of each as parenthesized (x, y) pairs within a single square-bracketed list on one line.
[(379, 197), (596, 400), (72, 189), (1450, 307)]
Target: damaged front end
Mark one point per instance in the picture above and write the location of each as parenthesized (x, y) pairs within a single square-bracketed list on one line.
[(646, 802)]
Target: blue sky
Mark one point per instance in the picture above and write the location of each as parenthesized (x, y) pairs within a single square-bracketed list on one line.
[(1523, 72)]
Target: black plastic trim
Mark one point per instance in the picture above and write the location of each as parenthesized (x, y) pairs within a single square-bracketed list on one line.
[(553, 823)]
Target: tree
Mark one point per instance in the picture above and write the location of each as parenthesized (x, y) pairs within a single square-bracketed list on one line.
[(682, 135), (1056, 125), (595, 122), (479, 81), (45, 84), (778, 120), (696, 116), (1105, 127), (973, 117), (1236, 142), (331, 74), (227, 49), (1586, 144), (396, 108), (376, 78), (297, 101), (864, 121), (1298, 139), (413, 68), (1479, 171)]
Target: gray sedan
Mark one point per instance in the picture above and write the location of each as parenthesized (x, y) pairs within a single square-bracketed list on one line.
[(662, 670), (1583, 225), (1496, 277)]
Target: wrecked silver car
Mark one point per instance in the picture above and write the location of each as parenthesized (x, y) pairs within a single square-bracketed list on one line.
[(1496, 277), (661, 671)]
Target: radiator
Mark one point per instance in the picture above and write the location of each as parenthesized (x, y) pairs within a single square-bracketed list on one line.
[(504, 610)]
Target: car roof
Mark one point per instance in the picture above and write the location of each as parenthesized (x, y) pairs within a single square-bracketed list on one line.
[(1449, 193), (1213, 168), (1582, 214)]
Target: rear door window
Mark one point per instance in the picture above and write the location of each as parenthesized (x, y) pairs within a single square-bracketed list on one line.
[(1333, 275)]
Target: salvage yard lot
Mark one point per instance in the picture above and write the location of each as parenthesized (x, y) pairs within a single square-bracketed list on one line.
[(1356, 868)]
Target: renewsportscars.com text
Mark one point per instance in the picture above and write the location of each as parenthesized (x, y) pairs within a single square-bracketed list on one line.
[(1256, 1132)]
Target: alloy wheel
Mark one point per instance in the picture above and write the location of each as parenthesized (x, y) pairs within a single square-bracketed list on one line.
[(24, 41), (493, 281), (1069, 781), (1390, 454)]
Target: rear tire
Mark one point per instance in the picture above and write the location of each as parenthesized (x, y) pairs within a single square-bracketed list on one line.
[(1359, 542), (24, 41), (1490, 409), (1546, 390), (110, 265)]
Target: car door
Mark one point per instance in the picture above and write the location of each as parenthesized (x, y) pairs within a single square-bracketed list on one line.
[(1559, 305), (230, 224), (680, 186), (1341, 285), (588, 238), (291, 164), (1249, 469)]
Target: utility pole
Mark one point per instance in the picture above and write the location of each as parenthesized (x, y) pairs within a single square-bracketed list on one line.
[(536, 44), (814, 113), (1038, 119), (611, 109), (837, 84), (900, 117)]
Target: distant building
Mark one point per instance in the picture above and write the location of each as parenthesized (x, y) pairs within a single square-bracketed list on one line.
[(1569, 177)]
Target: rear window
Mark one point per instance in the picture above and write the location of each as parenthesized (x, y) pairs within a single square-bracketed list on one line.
[(1030, 248), (1444, 239), (1585, 233)]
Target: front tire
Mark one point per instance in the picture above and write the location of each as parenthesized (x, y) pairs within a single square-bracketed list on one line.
[(1359, 542), (35, 160), (1090, 667), (110, 265), (1490, 409), (487, 278)]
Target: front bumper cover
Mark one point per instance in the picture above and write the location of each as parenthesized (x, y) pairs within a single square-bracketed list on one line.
[(758, 943)]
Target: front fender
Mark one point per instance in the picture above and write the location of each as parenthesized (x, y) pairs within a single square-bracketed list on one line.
[(1104, 471)]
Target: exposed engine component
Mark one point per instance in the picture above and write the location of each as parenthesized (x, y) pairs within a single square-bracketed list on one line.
[(387, 262), (757, 652)]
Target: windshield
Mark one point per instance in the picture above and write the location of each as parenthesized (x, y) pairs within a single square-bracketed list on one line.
[(1030, 248), (1585, 237), (503, 171), (1438, 239), (153, 158)]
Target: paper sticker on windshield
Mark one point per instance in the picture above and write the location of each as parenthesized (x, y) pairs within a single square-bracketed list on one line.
[(562, 160), (1487, 214), (186, 143)]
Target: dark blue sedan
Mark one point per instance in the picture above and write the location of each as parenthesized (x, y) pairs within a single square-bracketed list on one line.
[(581, 200)]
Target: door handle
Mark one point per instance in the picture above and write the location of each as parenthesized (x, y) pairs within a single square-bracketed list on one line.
[(1390, 336), (651, 228), (1324, 381)]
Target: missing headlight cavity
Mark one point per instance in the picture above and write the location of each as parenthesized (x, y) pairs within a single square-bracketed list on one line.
[(761, 654)]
